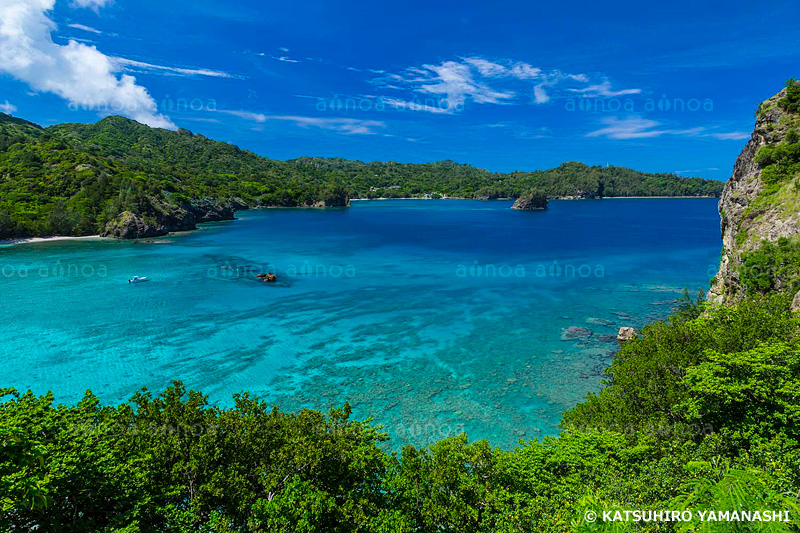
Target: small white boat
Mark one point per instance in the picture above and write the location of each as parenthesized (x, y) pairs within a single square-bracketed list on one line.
[(137, 279)]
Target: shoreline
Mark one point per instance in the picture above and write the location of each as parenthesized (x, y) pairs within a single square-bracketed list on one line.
[(554, 199), (32, 240)]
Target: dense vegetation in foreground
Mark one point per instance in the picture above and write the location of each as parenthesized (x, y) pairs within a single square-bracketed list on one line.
[(700, 412), (75, 179)]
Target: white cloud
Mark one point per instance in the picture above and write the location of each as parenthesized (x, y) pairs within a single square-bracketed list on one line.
[(346, 126), (484, 81), (514, 69), (416, 106), (679, 172), (8, 108), (247, 115), (636, 127), (139, 66), (540, 95), (627, 128), (732, 136), (486, 68), (84, 28), (80, 74), (285, 59), (552, 79), (604, 90), (94, 5), (450, 82)]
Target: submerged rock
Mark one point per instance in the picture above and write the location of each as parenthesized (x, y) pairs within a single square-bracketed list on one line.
[(599, 321), (575, 332)]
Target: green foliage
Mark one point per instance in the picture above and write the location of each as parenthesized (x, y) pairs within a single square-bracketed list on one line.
[(72, 179), (648, 390), (753, 393), (772, 266), (737, 490), (701, 412), (780, 162), (174, 463), (18, 487), (791, 102), (689, 307)]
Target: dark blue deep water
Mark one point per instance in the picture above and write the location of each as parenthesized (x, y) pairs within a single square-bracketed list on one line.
[(431, 317)]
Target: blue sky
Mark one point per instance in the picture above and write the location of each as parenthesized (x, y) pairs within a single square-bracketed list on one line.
[(506, 86)]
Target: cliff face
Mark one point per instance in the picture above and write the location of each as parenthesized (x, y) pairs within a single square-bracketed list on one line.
[(759, 204), (163, 218), (160, 218)]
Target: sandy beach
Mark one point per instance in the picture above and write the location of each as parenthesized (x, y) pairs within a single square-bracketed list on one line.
[(29, 240)]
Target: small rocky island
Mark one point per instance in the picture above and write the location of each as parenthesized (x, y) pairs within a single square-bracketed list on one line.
[(530, 201)]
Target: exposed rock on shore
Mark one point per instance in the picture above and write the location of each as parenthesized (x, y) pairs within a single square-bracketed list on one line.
[(625, 334), (336, 201), (162, 218)]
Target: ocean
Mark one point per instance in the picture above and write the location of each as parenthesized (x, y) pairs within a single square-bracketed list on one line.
[(432, 317)]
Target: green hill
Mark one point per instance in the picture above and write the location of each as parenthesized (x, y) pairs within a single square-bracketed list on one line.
[(125, 179)]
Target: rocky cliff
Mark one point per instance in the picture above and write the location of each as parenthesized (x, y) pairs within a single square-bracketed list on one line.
[(161, 218), (760, 206)]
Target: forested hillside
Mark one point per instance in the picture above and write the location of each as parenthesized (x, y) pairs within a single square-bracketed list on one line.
[(130, 180), (397, 180)]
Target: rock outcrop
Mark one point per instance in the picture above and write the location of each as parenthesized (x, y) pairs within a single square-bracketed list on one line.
[(796, 302), (528, 202), (755, 207), (336, 201), (625, 334), (162, 218), (128, 225)]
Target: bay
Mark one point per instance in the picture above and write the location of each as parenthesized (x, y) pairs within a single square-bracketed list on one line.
[(432, 317)]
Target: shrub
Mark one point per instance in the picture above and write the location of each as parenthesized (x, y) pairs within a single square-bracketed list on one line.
[(772, 266), (791, 102)]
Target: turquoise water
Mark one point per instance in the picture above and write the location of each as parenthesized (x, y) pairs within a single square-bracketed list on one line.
[(432, 317)]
